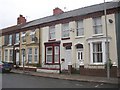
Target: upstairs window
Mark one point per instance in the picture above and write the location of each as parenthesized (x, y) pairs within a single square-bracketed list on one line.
[(52, 32), (6, 39), (17, 38), (97, 25), (32, 35), (23, 36), (65, 30), (10, 39), (80, 28)]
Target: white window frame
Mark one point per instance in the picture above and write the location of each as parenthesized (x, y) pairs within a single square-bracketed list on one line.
[(35, 55), (94, 40), (97, 26), (51, 32), (81, 56), (97, 51), (51, 54), (29, 55), (65, 30), (79, 28)]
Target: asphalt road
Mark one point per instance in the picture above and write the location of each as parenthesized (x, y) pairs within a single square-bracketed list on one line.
[(11, 80)]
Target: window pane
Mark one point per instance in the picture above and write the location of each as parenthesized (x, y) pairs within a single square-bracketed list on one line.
[(97, 25), (49, 58), (17, 38), (56, 57), (65, 30), (29, 55), (36, 55), (49, 54), (52, 32), (49, 50), (97, 52), (80, 29), (10, 39), (6, 55), (11, 55)]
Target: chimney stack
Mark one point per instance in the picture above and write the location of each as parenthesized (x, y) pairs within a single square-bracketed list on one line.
[(21, 20), (57, 11)]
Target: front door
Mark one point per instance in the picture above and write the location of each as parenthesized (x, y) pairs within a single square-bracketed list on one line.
[(17, 58), (67, 59), (79, 58)]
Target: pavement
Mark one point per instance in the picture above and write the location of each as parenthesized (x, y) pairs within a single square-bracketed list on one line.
[(74, 77)]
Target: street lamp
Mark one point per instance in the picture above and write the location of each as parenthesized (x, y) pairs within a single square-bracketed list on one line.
[(107, 44)]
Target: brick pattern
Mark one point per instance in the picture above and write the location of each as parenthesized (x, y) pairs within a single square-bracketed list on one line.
[(98, 72)]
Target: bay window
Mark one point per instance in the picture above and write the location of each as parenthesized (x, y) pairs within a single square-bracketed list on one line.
[(52, 54), (97, 50)]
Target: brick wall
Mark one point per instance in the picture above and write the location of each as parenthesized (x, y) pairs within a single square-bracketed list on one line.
[(98, 72)]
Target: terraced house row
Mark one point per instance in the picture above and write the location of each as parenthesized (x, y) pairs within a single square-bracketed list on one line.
[(75, 38)]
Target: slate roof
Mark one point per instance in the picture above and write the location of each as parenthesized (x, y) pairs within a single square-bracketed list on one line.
[(73, 13)]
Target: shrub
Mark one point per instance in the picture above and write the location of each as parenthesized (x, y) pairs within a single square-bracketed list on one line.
[(110, 64)]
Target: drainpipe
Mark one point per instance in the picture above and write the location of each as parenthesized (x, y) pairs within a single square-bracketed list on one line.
[(107, 45), (39, 46)]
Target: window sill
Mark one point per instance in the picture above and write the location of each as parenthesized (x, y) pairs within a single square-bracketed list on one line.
[(9, 45), (77, 37), (32, 42), (23, 42), (51, 63), (16, 44), (52, 40), (96, 64), (95, 35), (65, 38)]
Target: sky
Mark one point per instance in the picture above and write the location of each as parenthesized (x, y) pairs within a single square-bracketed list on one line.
[(35, 9)]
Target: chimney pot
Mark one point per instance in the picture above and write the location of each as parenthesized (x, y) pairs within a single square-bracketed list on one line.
[(57, 11), (21, 19)]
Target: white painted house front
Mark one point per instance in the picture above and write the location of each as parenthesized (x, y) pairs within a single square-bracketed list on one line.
[(77, 38)]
